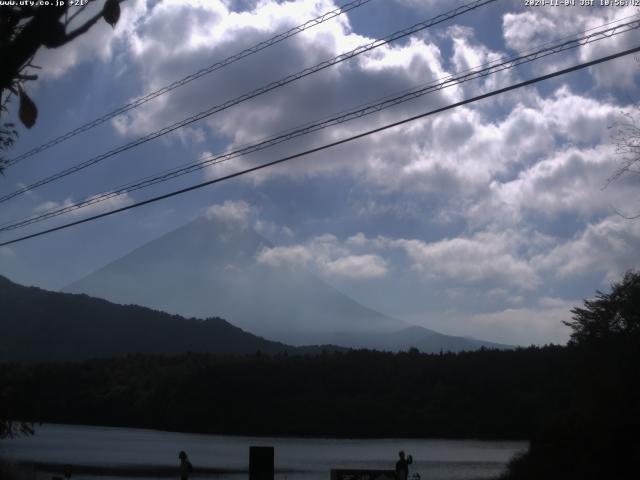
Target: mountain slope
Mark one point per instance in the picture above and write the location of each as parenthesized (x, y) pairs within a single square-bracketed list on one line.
[(38, 325), (208, 267)]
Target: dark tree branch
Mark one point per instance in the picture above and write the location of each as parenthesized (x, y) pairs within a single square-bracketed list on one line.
[(18, 52), (23, 30), (78, 12), (27, 77), (84, 28)]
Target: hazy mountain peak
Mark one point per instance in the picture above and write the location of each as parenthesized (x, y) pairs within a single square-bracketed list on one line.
[(208, 267)]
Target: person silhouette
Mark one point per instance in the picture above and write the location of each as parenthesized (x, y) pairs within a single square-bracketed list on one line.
[(185, 465), (402, 466)]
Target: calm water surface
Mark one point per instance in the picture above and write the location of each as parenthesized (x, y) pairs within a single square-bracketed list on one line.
[(301, 458)]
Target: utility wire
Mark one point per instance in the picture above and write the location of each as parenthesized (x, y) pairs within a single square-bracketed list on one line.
[(247, 96), (385, 103), (189, 78), (330, 145)]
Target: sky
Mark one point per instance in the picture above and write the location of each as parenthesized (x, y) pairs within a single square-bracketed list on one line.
[(491, 220)]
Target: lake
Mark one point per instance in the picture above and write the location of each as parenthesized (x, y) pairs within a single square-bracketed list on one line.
[(128, 450)]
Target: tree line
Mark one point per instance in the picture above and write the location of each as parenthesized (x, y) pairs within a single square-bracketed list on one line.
[(484, 394)]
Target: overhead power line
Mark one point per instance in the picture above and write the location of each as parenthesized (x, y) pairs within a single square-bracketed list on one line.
[(189, 78), (247, 96), (451, 80), (329, 145)]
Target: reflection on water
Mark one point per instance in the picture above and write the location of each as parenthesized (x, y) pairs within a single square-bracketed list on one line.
[(295, 458)]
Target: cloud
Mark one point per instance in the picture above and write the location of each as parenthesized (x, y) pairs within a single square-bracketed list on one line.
[(463, 156), (291, 256), (231, 212), (357, 240), (570, 182), (94, 209), (358, 266), (469, 54), (538, 26), (470, 160), (326, 255), (610, 246), (521, 30), (272, 230), (424, 4), (539, 325), (536, 319), (209, 31), (51, 205), (485, 256), (548, 155), (561, 160)]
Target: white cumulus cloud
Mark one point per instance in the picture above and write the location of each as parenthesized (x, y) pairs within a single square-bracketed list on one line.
[(326, 255), (232, 212)]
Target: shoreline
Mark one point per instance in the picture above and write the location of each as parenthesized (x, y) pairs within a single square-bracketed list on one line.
[(138, 470)]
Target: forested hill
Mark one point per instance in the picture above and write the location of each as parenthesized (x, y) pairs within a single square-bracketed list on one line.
[(39, 325)]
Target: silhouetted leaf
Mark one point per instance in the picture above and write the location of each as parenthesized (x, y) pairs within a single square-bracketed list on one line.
[(111, 12), (28, 110), (55, 35)]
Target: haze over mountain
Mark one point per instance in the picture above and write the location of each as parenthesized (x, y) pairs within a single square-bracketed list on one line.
[(39, 325), (208, 268)]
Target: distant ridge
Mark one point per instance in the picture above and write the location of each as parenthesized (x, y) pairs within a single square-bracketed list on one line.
[(424, 339), (38, 325)]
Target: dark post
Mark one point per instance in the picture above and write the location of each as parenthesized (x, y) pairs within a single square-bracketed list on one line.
[(67, 470), (260, 463)]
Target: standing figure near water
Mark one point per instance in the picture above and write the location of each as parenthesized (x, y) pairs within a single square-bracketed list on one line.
[(185, 465), (402, 466)]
